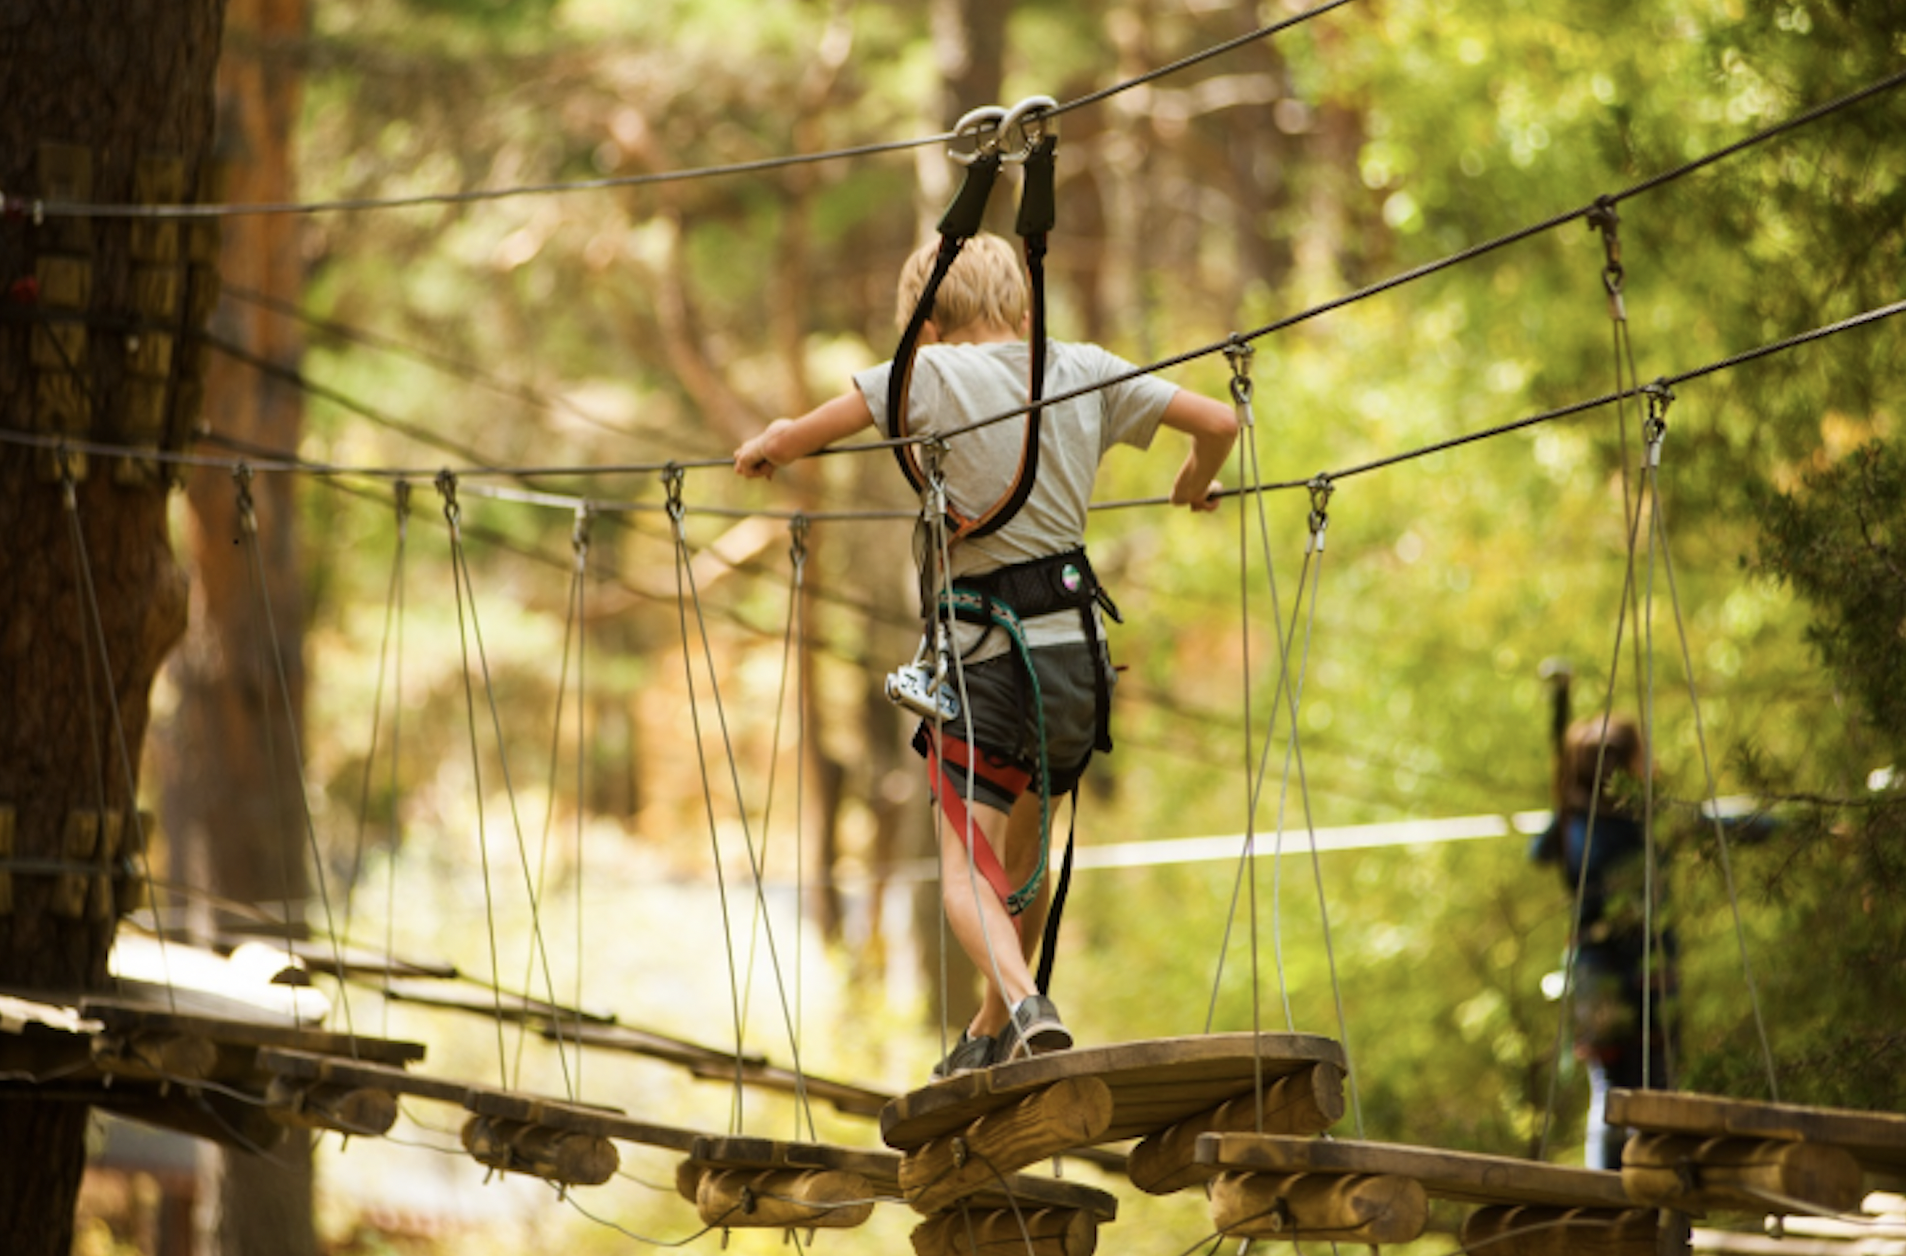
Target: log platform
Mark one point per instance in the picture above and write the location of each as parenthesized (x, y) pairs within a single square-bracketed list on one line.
[(1270, 1185), (818, 1184), (1696, 1153), (958, 1132)]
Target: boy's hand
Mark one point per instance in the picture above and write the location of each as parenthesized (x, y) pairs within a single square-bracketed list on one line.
[(752, 461), (1190, 489)]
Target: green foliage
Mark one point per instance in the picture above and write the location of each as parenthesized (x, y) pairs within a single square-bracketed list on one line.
[(642, 324)]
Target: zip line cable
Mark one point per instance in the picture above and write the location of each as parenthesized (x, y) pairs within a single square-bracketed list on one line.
[(1469, 254), (39, 209)]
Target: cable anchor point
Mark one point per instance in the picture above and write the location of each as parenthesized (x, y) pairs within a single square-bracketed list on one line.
[(797, 543), (400, 499), (1320, 490), (579, 534), (452, 512), (69, 492), (1655, 425), (1603, 217), (1238, 352), (672, 476), (247, 510)]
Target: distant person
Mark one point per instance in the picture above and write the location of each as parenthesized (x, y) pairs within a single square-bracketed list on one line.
[(974, 363), (1611, 958)]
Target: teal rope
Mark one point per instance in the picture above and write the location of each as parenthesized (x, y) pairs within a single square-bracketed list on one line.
[(1001, 615)]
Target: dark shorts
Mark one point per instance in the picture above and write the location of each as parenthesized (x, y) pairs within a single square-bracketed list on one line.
[(1005, 727)]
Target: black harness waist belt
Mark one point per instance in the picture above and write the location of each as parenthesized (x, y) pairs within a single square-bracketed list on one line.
[(1043, 586)]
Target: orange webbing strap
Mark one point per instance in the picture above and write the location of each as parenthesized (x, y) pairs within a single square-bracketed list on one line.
[(953, 802)]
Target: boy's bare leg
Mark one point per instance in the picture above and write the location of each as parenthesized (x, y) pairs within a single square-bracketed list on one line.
[(976, 915)]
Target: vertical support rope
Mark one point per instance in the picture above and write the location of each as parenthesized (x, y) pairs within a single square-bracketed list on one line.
[(401, 494), (453, 515), (1707, 768), (93, 625), (460, 556), (248, 526), (392, 599)]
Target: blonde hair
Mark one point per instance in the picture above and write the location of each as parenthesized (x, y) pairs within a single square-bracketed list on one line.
[(985, 285)]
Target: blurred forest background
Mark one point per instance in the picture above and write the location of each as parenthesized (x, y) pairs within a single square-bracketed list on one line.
[(637, 325)]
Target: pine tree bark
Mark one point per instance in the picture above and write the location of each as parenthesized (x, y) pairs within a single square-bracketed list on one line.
[(123, 82)]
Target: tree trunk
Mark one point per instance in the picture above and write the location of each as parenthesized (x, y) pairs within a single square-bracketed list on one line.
[(233, 784), (117, 83)]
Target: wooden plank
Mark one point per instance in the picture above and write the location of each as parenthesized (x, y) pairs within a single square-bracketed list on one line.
[(1528, 1230), (1877, 1140), (307, 1066), (1469, 1177), (1008, 1232), (1302, 1104), (1332, 1207), (1153, 1083), (881, 1168), (121, 1017), (1692, 1174), (778, 1199)]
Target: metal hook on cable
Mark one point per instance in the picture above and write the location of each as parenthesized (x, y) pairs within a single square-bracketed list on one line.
[(579, 534), (797, 543), (1320, 490), (1032, 119), (1238, 352), (1602, 217), (247, 513), (452, 512), (672, 476), (983, 126), (1655, 426)]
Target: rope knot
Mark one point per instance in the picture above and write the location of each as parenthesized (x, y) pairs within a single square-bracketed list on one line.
[(447, 486), (672, 476), (797, 542)]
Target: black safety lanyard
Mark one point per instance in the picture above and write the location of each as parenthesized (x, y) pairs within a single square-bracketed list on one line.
[(960, 223)]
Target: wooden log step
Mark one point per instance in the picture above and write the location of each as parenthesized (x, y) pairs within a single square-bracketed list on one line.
[(1876, 1139), (1071, 1112), (352, 1110), (1302, 1103), (881, 1168), (1469, 1177), (1530, 1230), (1154, 1084), (1332, 1207), (778, 1199), (1006, 1232), (1695, 1175), (566, 1156)]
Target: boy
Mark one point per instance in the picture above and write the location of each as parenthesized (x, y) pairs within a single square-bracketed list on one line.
[(973, 364)]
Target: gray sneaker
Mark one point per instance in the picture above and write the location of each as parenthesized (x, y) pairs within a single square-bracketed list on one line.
[(968, 1054), (1035, 1029)]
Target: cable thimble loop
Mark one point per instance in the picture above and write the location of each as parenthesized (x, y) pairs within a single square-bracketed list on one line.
[(1238, 352), (579, 534), (1655, 426), (247, 512), (69, 491), (982, 126), (933, 501), (1320, 490), (1031, 121), (797, 543), (452, 512), (1603, 218), (672, 476)]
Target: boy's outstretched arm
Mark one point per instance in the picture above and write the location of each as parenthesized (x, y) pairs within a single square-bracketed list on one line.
[(785, 440), (1213, 428)]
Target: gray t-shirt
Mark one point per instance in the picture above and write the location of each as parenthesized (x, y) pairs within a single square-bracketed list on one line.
[(957, 384)]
